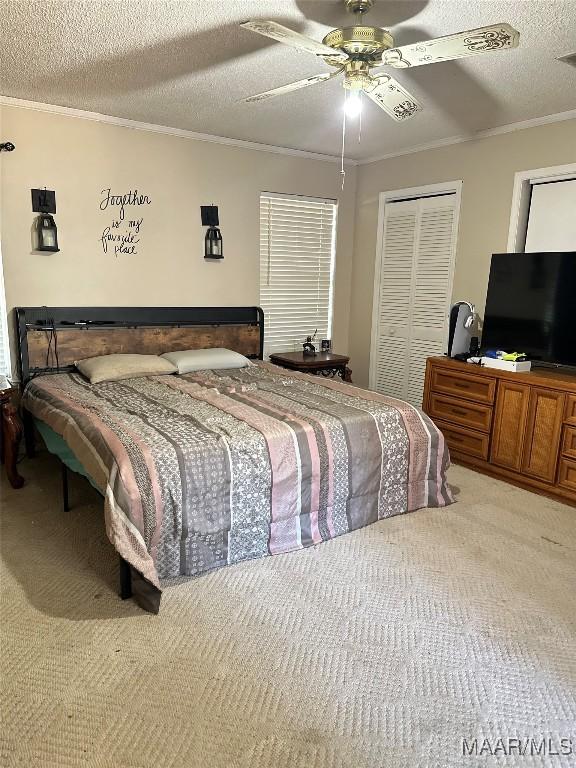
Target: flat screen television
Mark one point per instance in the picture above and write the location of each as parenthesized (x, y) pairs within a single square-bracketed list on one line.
[(531, 306)]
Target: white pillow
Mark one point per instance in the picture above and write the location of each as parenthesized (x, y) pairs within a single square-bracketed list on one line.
[(120, 366), (217, 358)]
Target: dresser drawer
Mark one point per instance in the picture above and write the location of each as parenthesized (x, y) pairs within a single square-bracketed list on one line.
[(567, 474), (570, 413), (460, 412), (470, 386), (569, 442), (462, 440)]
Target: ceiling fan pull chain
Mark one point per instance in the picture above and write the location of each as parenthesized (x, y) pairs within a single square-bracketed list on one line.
[(342, 171)]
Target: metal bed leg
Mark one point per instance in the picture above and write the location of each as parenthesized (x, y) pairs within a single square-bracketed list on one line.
[(125, 572), (65, 502), (28, 425), (125, 579)]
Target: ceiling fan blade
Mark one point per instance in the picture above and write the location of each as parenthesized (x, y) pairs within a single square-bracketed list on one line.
[(294, 39), (393, 98), (293, 86), (497, 37)]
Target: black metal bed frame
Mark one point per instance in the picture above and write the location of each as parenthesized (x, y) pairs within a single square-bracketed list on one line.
[(101, 318), (53, 319)]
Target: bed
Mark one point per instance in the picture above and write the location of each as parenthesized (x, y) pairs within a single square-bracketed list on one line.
[(208, 469)]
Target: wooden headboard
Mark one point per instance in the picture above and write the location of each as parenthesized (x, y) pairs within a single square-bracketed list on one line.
[(52, 338)]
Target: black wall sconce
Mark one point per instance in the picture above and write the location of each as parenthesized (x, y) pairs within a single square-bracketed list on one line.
[(213, 239), (44, 203)]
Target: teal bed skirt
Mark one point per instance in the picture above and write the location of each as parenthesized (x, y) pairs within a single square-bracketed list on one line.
[(56, 444)]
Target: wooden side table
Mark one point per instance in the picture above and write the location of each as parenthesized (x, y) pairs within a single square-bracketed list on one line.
[(320, 364), (10, 435)]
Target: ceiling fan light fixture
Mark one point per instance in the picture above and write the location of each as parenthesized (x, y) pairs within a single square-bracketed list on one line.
[(358, 52), (353, 104)]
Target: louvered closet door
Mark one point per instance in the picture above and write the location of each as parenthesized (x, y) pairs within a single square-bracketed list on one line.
[(390, 371), (415, 284)]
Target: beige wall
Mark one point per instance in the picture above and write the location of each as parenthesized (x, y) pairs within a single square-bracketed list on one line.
[(487, 169), (78, 158)]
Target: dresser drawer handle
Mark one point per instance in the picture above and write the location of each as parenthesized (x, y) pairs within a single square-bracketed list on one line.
[(462, 385), (459, 411)]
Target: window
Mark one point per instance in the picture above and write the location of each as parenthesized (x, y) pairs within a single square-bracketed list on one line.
[(542, 210), (551, 220), (297, 246), (5, 368)]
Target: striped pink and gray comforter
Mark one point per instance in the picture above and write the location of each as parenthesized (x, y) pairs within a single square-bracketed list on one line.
[(211, 468)]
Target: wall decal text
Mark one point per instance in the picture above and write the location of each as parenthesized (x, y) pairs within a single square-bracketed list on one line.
[(122, 234)]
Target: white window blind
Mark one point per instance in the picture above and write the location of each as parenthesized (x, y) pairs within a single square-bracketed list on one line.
[(297, 245), (5, 369)]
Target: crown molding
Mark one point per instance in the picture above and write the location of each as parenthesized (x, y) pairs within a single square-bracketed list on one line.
[(510, 128), (122, 122)]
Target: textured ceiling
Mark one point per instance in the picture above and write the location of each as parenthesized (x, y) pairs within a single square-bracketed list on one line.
[(186, 64)]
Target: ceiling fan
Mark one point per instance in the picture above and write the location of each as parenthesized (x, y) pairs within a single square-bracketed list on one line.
[(356, 51)]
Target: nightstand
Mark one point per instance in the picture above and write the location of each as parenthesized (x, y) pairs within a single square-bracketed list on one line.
[(320, 364), (10, 434)]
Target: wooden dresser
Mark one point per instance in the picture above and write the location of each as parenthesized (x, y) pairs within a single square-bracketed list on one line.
[(520, 427)]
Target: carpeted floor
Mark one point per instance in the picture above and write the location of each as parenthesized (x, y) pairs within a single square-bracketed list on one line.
[(385, 647)]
